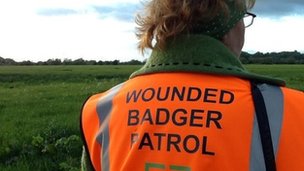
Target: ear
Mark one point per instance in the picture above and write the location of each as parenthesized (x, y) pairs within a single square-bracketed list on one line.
[(225, 40)]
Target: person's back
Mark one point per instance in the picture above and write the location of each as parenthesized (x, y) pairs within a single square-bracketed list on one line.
[(191, 107)]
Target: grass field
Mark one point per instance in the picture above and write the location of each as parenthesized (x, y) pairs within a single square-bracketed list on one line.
[(40, 105), (292, 74), (39, 113)]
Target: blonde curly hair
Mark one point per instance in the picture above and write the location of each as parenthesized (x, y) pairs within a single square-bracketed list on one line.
[(164, 19)]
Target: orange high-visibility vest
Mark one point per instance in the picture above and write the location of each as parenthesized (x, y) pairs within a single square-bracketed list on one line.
[(190, 122)]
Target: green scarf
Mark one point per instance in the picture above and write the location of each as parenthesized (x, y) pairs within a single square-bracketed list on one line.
[(221, 23)]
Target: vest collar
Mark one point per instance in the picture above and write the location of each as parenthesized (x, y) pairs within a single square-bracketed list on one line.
[(202, 54)]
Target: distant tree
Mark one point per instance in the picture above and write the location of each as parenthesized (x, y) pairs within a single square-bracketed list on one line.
[(245, 58), (91, 62), (258, 55), (53, 62), (132, 62), (7, 61), (246, 54), (26, 63), (2, 61), (79, 61), (67, 61), (115, 62), (41, 63), (107, 62), (100, 63)]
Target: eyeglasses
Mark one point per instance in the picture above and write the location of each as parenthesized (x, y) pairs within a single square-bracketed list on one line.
[(248, 19)]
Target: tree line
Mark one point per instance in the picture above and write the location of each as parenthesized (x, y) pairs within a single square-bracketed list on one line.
[(80, 61), (293, 57)]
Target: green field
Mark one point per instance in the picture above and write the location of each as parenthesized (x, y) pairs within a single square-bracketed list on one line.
[(40, 105), (292, 74)]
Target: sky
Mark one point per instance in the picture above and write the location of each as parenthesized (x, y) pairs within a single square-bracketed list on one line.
[(38, 30)]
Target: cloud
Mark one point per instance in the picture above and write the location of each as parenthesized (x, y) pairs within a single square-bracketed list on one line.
[(120, 11), (125, 12), (279, 8), (56, 12), (270, 35)]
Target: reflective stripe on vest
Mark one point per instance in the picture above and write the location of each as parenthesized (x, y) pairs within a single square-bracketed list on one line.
[(273, 98), (104, 108)]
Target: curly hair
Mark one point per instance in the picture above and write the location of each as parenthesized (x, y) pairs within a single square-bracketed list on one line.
[(164, 19)]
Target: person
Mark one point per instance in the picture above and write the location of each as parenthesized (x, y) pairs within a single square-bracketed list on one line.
[(193, 106)]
